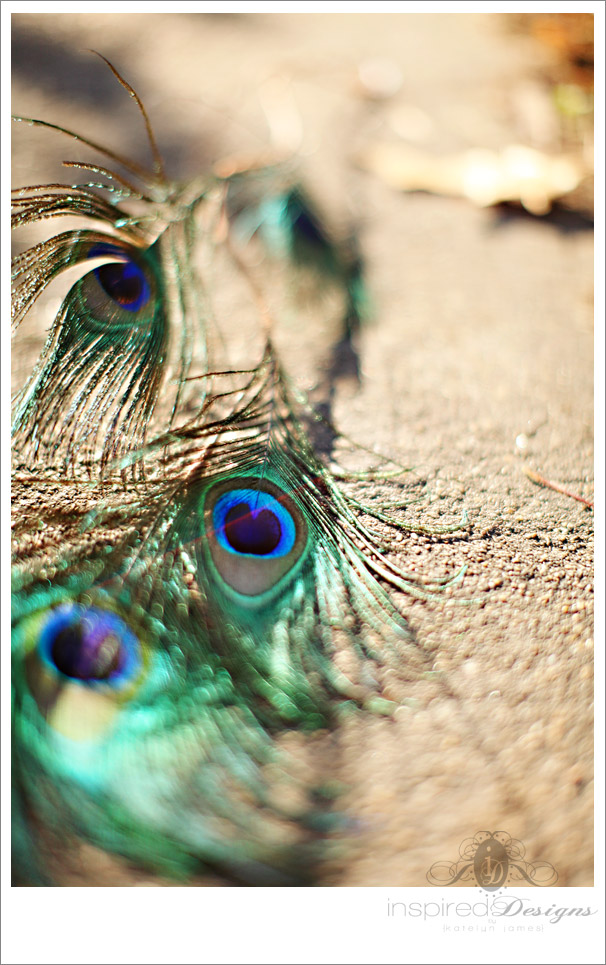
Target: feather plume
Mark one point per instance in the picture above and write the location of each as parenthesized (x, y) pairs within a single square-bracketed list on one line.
[(235, 592)]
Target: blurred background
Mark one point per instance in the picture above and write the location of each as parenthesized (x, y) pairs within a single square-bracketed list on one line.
[(327, 85)]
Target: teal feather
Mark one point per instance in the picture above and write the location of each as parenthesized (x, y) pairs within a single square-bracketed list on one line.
[(127, 331), (292, 230), (282, 616), (174, 783), (234, 592)]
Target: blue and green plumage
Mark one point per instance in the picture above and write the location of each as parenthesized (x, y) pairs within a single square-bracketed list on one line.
[(220, 589)]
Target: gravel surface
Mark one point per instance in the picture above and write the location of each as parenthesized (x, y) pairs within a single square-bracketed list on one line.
[(478, 364)]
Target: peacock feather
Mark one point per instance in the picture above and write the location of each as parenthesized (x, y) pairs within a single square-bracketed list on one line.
[(206, 585), (126, 332)]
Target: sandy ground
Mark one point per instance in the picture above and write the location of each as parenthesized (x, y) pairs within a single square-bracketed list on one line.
[(478, 363)]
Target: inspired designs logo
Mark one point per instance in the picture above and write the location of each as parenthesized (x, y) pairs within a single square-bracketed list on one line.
[(493, 860)]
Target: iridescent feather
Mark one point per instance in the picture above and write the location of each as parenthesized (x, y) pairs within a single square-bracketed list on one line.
[(128, 330), (233, 592)]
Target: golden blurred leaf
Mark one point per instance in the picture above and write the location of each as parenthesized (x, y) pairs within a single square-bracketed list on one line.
[(517, 173)]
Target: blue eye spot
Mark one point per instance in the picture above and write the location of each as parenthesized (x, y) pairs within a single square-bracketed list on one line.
[(248, 531), (253, 523), (90, 645), (256, 536), (124, 281)]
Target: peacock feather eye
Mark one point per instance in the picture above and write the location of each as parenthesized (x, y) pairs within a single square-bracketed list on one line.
[(90, 645), (163, 638), (82, 662), (256, 534), (125, 283), (250, 522), (118, 290)]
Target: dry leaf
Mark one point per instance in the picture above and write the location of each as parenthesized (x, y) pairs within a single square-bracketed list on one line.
[(517, 173)]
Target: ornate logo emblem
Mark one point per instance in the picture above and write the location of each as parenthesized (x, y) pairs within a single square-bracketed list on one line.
[(492, 860)]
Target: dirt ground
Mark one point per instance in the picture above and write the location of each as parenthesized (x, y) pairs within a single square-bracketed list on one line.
[(478, 363)]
